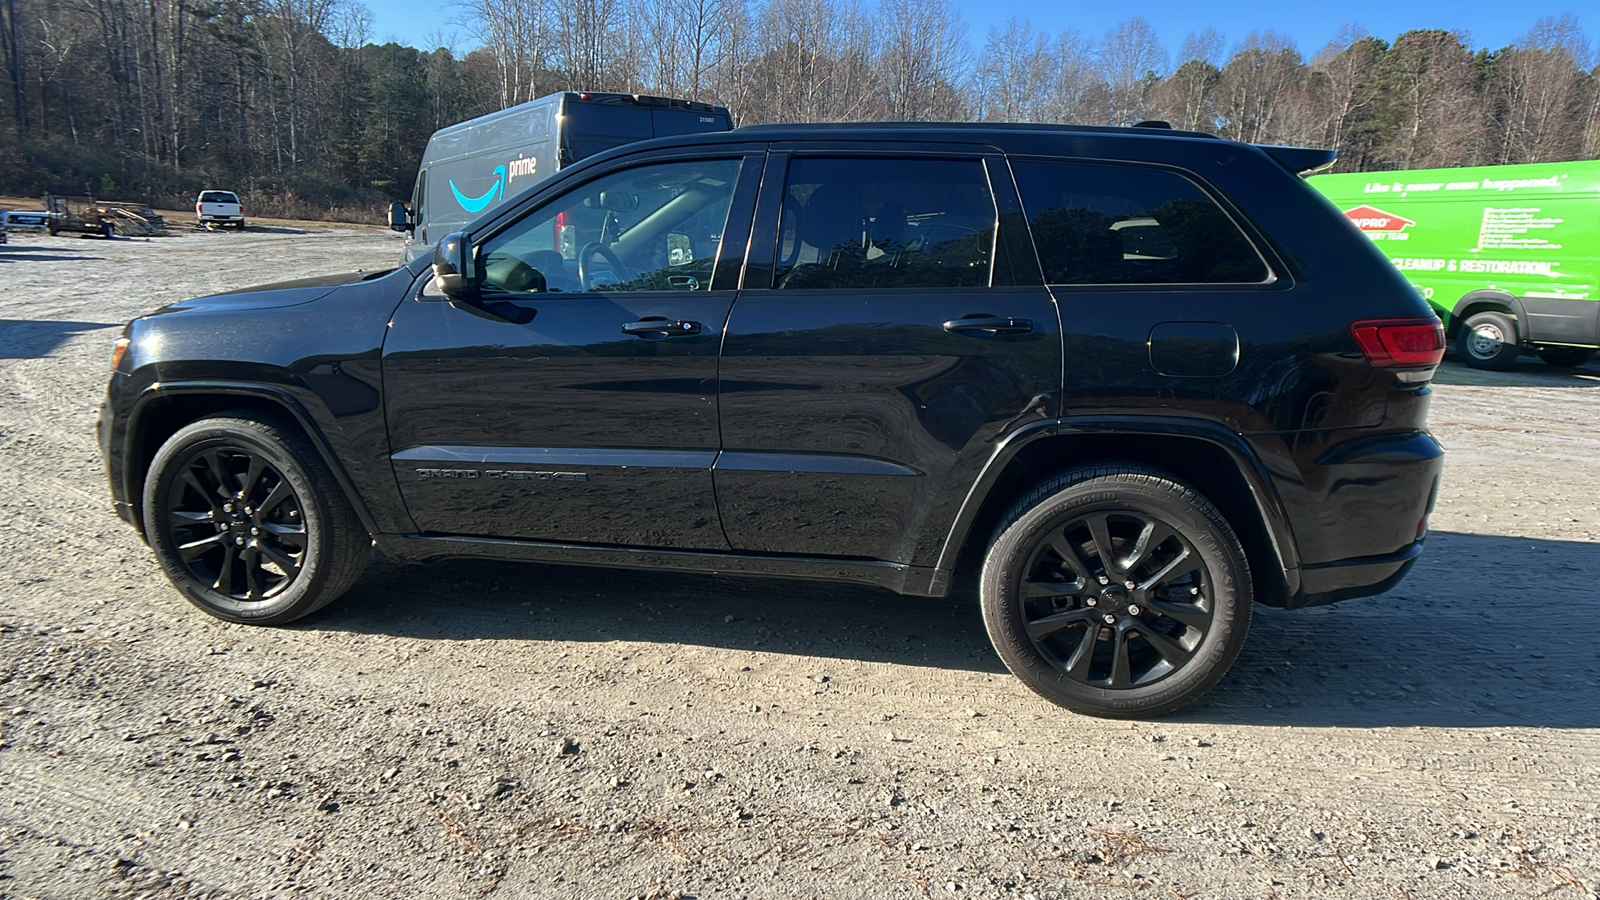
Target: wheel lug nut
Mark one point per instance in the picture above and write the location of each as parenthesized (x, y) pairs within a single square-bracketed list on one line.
[(1104, 580), (248, 511), (238, 542), (1090, 601), (255, 531), (227, 507), (1130, 585), (1133, 610), (1110, 619), (1194, 592)]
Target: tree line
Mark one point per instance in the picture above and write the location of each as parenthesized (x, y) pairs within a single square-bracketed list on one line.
[(293, 103)]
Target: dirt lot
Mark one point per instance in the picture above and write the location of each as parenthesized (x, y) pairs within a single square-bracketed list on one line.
[(495, 730)]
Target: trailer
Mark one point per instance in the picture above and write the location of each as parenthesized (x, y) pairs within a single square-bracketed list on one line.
[(86, 215)]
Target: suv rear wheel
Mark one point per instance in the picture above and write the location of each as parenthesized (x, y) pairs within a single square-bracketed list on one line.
[(1116, 591), (248, 522)]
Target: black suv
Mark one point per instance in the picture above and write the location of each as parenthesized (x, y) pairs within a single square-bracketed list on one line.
[(1140, 378)]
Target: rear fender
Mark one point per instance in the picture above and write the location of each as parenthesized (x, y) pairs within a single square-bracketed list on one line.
[(1280, 545)]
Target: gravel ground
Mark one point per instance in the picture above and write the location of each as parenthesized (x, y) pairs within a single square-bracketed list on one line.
[(512, 731)]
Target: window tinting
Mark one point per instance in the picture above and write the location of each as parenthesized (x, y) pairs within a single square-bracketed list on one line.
[(593, 127), (885, 223), (1124, 225), (651, 228), (218, 197)]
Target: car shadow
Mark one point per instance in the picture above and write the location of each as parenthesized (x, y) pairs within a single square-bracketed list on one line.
[(269, 229), (1526, 371), (37, 338), (1486, 631), (11, 253)]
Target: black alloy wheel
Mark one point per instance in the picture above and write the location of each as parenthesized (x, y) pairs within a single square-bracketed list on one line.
[(248, 523), (1117, 591)]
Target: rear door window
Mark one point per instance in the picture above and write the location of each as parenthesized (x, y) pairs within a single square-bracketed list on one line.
[(884, 222), (218, 197), (1102, 224), (593, 127)]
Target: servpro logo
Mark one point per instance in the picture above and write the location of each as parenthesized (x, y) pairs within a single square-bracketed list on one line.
[(1371, 218)]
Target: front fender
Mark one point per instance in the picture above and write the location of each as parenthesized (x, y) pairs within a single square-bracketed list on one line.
[(158, 393)]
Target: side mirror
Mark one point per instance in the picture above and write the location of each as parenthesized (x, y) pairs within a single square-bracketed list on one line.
[(453, 266), (399, 217), (456, 273)]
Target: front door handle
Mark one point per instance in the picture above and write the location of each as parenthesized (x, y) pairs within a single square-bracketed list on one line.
[(656, 325), (989, 326)]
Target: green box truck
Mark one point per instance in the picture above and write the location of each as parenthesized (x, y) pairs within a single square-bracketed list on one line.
[(1509, 256)]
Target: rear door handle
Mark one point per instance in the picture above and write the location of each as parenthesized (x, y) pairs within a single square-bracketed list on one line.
[(988, 326), (657, 325)]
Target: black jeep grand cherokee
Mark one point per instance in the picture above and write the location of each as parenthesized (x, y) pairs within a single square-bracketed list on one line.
[(1142, 378)]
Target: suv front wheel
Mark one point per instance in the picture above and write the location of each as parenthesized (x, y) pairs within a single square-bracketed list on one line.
[(1116, 591), (248, 522)]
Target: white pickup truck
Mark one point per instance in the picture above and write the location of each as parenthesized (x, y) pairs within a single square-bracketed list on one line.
[(219, 207)]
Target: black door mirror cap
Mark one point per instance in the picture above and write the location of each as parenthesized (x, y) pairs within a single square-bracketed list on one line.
[(399, 217)]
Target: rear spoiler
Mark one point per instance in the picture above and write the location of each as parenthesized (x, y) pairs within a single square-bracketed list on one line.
[(1302, 161)]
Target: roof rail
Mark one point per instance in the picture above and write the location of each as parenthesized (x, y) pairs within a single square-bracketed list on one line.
[(975, 126)]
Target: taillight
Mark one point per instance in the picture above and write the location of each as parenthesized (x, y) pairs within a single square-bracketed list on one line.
[(1401, 343)]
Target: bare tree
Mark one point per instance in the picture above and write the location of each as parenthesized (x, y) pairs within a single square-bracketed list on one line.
[(1537, 92), (1430, 87), (1189, 100), (1014, 74), (518, 34), (922, 59), (1345, 88), (1133, 61), (1253, 84)]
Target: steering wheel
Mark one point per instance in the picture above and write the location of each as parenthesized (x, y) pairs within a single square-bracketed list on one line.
[(595, 248)]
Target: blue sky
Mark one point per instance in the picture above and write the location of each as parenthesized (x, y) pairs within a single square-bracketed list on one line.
[(1309, 25)]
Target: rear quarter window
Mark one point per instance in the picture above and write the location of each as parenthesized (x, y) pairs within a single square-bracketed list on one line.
[(1103, 224)]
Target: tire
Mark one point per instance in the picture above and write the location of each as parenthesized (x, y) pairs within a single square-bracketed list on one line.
[(239, 225), (1488, 340), (296, 543), (107, 230), (1172, 636), (1566, 357)]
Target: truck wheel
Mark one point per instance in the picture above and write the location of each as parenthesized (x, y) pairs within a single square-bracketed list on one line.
[(247, 521), (107, 229), (1566, 357), (1488, 340), (1116, 591)]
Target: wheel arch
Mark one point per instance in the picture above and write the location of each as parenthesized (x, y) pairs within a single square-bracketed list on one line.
[(162, 409), (1487, 300), (1209, 457)]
